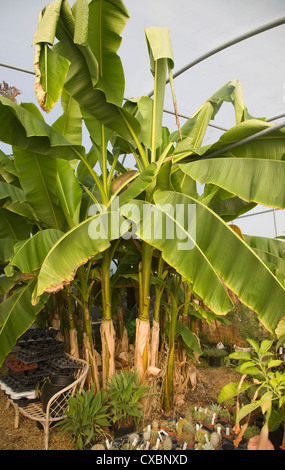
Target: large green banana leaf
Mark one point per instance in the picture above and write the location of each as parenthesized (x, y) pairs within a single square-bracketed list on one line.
[(75, 248), (7, 249), (90, 63), (7, 168), (251, 179), (38, 178), (216, 252), (271, 146), (21, 127), (271, 245), (29, 255), (13, 226), (69, 124), (107, 21), (161, 58), (68, 191), (270, 250), (16, 315), (193, 131)]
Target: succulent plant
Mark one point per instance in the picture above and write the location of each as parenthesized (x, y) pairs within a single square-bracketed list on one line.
[(146, 434), (134, 439), (98, 447), (154, 433), (167, 443), (224, 413), (200, 436), (216, 408), (189, 427), (215, 439), (199, 446), (180, 425), (208, 446)]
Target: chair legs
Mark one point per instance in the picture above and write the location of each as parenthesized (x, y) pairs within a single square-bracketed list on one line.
[(46, 434)]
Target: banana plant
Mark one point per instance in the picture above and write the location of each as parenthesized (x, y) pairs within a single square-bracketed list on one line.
[(204, 249)]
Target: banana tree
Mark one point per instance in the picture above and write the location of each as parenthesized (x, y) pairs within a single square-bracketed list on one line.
[(83, 66)]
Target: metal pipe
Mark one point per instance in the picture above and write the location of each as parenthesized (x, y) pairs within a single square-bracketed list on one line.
[(246, 140), (254, 32), (187, 117), (14, 67)]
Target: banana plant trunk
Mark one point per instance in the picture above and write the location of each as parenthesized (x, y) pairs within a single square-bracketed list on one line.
[(168, 389), (88, 343), (73, 338), (142, 343), (108, 334), (155, 330)]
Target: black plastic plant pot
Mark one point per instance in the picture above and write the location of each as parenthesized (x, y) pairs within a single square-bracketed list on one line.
[(50, 389), (63, 380), (215, 361), (120, 431)]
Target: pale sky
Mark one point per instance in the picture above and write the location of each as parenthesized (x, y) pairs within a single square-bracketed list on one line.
[(195, 28)]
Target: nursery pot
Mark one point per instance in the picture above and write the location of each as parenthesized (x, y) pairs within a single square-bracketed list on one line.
[(62, 380), (120, 431), (49, 389), (214, 361)]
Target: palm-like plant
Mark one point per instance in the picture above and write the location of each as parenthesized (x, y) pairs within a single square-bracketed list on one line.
[(84, 69)]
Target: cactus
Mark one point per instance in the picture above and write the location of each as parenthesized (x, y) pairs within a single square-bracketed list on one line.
[(200, 436), (146, 434), (154, 433), (189, 427), (224, 413), (180, 427), (208, 446), (215, 439), (134, 439), (98, 447), (198, 446), (167, 443)]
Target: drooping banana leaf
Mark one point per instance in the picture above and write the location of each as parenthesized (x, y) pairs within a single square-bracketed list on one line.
[(215, 252), (75, 248), (270, 245), (29, 255), (194, 129), (38, 177), (252, 179), (270, 147), (269, 250), (22, 128), (69, 125), (90, 63), (16, 315), (13, 226), (107, 21), (231, 208)]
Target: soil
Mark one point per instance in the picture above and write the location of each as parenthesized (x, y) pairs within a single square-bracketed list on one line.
[(29, 437)]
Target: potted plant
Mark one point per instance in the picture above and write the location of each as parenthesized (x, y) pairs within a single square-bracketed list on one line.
[(251, 431), (86, 417), (124, 394), (261, 366), (215, 356), (224, 414)]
